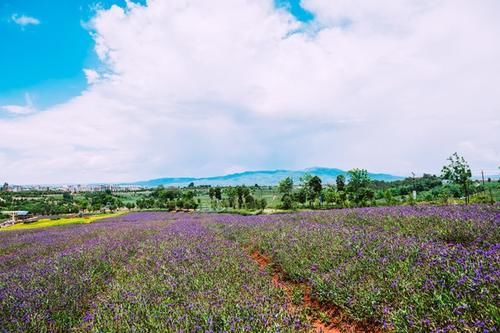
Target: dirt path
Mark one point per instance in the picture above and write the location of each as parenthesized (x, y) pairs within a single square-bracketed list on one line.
[(332, 319)]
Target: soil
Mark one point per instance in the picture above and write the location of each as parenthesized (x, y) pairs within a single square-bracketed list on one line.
[(332, 320)]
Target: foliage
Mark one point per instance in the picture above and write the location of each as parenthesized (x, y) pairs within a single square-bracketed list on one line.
[(340, 181), (358, 187), (314, 188), (169, 198), (458, 172), (99, 201), (285, 186), (286, 201), (306, 195), (403, 187), (330, 195)]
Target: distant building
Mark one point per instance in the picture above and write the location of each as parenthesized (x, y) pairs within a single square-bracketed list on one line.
[(21, 215)]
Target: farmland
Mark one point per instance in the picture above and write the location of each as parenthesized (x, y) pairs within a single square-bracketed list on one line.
[(44, 223), (402, 268), (309, 193)]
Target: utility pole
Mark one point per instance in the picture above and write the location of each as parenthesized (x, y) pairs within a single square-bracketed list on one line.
[(484, 187)]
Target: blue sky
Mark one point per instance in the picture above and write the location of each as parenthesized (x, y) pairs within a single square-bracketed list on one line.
[(296, 9), (45, 60), (95, 93)]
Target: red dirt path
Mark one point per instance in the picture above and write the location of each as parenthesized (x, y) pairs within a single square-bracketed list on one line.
[(337, 323)]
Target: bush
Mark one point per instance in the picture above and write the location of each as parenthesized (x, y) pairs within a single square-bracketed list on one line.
[(482, 198)]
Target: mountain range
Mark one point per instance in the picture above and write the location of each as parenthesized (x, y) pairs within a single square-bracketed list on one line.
[(263, 177)]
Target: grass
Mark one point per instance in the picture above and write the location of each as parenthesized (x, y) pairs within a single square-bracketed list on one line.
[(45, 223)]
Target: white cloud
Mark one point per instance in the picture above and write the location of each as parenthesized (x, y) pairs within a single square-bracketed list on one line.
[(91, 75), (17, 109), (20, 109), (24, 20), (197, 87)]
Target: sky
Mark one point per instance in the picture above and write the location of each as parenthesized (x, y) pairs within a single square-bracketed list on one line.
[(116, 91)]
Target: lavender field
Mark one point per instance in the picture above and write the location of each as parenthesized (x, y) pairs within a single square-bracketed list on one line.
[(402, 269)]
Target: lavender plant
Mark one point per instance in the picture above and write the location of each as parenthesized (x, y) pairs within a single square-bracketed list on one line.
[(406, 269), (409, 269)]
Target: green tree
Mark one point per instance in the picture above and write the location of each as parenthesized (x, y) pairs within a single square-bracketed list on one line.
[(240, 193), (285, 187), (330, 195), (458, 172), (358, 186), (340, 180), (300, 195), (358, 178), (388, 196), (262, 203), (218, 193), (286, 201), (314, 188), (67, 197), (231, 195), (250, 202)]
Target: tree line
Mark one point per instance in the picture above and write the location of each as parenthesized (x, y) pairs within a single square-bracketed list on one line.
[(237, 197), (356, 189), (50, 203), (311, 193)]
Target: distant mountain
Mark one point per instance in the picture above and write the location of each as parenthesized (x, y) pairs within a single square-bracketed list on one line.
[(265, 177)]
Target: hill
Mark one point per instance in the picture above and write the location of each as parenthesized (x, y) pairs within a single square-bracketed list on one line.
[(263, 177)]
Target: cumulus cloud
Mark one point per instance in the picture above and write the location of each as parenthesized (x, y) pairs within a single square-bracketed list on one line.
[(197, 88), (24, 20)]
